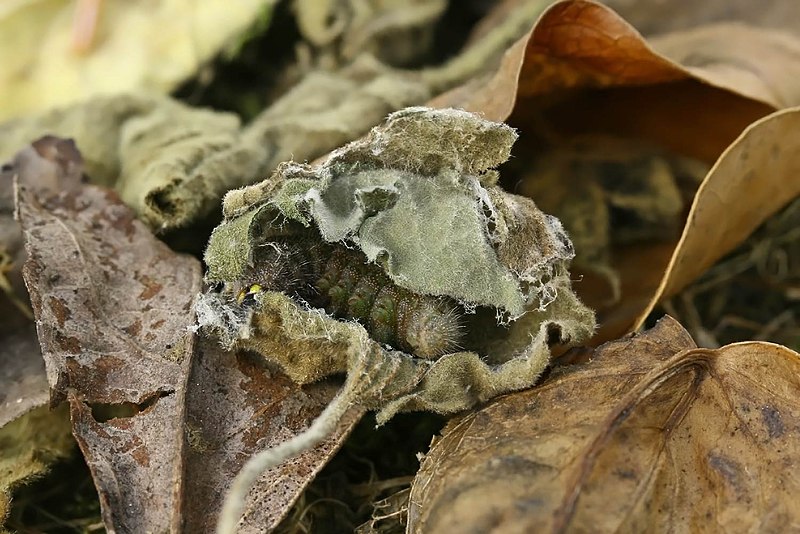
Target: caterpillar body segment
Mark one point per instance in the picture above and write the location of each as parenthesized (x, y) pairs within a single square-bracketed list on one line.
[(347, 287)]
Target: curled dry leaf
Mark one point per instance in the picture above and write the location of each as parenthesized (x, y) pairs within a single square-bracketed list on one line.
[(580, 43), (657, 16), (638, 93), (753, 179), (651, 434), (114, 310)]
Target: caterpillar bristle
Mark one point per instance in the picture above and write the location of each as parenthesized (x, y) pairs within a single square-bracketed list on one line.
[(340, 280), (435, 329)]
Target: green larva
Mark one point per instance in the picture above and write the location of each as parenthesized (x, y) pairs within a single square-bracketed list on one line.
[(346, 286)]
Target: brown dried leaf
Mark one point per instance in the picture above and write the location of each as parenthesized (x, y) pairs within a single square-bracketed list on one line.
[(113, 307), (658, 16), (23, 384), (237, 406), (112, 311), (651, 435), (695, 104), (763, 64), (163, 428), (580, 43), (754, 178)]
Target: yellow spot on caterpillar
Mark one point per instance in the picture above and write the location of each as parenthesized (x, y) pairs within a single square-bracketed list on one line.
[(244, 293)]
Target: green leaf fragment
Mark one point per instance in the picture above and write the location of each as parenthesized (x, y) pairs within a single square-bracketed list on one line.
[(31, 444), (429, 215), (424, 214)]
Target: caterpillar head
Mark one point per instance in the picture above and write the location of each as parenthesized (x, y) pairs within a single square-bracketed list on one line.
[(276, 266)]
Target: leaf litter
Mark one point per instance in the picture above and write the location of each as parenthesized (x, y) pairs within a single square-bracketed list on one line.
[(203, 153), (32, 437), (622, 89), (114, 307), (579, 73), (650, 434), (718, 307)]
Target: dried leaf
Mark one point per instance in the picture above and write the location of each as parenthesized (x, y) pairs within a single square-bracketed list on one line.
[(235, 407), (57, 53), (114, 307), (651, 434), (657, 16), (644, 96), (112, 315), (753, 179), (102, 302), (23, 383), (763, 64), (580, 43)]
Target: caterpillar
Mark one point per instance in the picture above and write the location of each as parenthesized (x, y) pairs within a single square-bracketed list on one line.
[(340, 281)]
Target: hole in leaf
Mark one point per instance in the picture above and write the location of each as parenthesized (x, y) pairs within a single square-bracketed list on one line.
[(103, 412)]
